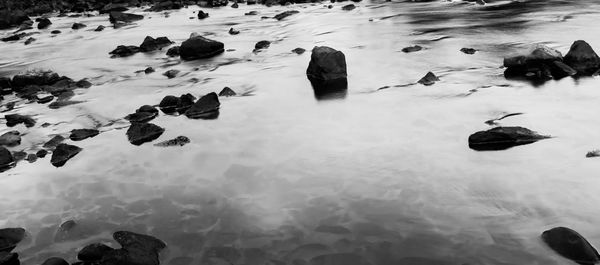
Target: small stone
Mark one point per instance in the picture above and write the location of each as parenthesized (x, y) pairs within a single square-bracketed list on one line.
[(595, 153), (168, 104), (124, 51), (41, 153), (149, 70), (233, 31), (171, 73), (29, 41), (55, 32), (54, 142), (202, 15), (93, 252), (31, 158), (10, 139), (7, 161), (428, 79), (78, 26), (263, 44), (139, 133), (44, 23), (235, 5), (501, 138), (285, 14), (82, 134), (63, 153), (468, 50), (227, 92), (298, 51), (14, 119), (173, 51), (100, 28), (348, 7), (46, 99), (207, 107), (178, 141)]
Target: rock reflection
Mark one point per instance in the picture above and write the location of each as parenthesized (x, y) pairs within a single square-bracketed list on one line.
[(328, 90)]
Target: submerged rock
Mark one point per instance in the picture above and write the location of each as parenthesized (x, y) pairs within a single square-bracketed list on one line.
[(44, 23), (414, 48), (263, 44), (207, 107), (152, 44), (143, 114), (149, 70), (501, 138), (178, 141), (10, 139), (285, 14), (198, 47), (137, 249), (571, 245), (173, 51), (227, 92), (41, 153), (63, 153), (54, 32), (468, 50), (14, 119), (582, 58), (428, 79), (54, 142), (139, 133), (115, 17), (100, 28), (124, 51), (93, 252), (31, 158), (10, 237), (168, 104), (82, 134)]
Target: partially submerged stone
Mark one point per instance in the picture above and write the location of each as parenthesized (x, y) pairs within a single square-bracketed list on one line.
[(14, 119), (429, 79), (198, 47), (571, 245), (10, 237), (139, 133), (124, 51), (501, 138), (82, 134), (93, 252), (116, 17), (207, 107), (63, 153), (414, 48), (151, 44), (327, 73), (177, 141), (263, 44), (348, 7), (468, 50), (285, 14), (542, 63)]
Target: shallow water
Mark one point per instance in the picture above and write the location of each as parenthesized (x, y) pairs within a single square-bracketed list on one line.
[(383, 176)]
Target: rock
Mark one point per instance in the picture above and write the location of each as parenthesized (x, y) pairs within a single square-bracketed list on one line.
[(536, 65), (202, 15), (100, 28), (571, 245), (55, 32), (9, 237), (143, 114), (227, 92), (139, 133), (348, 7), (44, 23), (251, 13), (83, 83), (235, 5), (207, 107), (263, 44), (173, 51), (11, 18), (168, 104), (113, 8), (41, 153), (54, 142), (9, 258), (59, 104), (298, 51), (198, 47), (137, 249), (14, 37), (501, 138), (414, 48), (78, 26), (29, 41), (63, 153), (595, 153), (178, 141), (55, 261), (19, 155), (152, 44), (582, 58), (285, 14), (93, 252), (31, 158), (124, 51), (326, 64), (115, 17), (559, 70), (44, 100), (14, 119), (149, 70), (185, 102), (428, 79), (468, 50), (10, 139), (233, 31), (82, 134), (171, 73), (167, 5)]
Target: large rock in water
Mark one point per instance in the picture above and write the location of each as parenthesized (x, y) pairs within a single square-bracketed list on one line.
[(501, 138), (82, 134), (542, 63), (198, 47), (582, 58), (139, 133), (115, 17), (207, 107), (10, 237), (327, 73), (571, 245), (152, 44), (63, 153)]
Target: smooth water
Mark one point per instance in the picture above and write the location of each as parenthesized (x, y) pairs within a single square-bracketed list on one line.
[(381, 176)]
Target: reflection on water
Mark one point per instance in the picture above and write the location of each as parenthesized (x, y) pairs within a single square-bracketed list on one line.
[(380, 177)]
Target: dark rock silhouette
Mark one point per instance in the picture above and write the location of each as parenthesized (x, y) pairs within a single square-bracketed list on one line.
[(78, 26), (202, 14), (116, 17), (173, 51), (14, 119), (54, 142), (233, 31), (152, 44), (327, 73), (501, 138), (429, 79), (63, 153), (10, 237), (571, 245), (168, 104), (410, 49), (348, 7), (298, 51), (184, 102), (207, 107), (143, 114), (198, 47), (171, 73), (227, 92), (124, 51), (44, 23), (468, 50), (177, 141), (263, 44), (139, 133), (41, 153), (285, 14), (582, 58), (93, 252), (100, 28), (10, 138), (82, 134), (10, 18)]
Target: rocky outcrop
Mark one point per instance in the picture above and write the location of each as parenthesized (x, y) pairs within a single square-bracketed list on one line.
[(285, 14), (542, 63), (63, 153), (327, 73), (139, 133), (198, 47), (178, 141), (571, 245), (501, 138), (202, 14), (582, 58), (207, 107)]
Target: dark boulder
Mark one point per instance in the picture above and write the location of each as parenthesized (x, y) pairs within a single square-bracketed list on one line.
[(10, 237), (55, 261), (10, 139), (571, 245), (78, 26), (10, 18), (14, 37), (501, 138), (285, 14), (14, 119), (34, 78), (207, 107), (166, 5), (202, 14), (139, 133), (184, 102), (93, 252), (44, 23), (82, 134), (233, 31), (348, 7), (143, 114), (115, 17), (428, 79), (41, 153), (100, 28), (9, 258), (168, 104), (559, 70), (149, 70), (54, 142), (582, 58), (414, 48), (178, 141), (173, 51), (198, 47), (171, 73), (327, 73), (44, 100), (263, 44), (468, 50), (30, 40), (124, 51), (298, 51), (63, 153), (113, 8), (152, 44), (227, 92), (54, 32), (137, 249)]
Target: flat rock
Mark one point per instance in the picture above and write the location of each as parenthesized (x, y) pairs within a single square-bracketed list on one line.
[(468, 50), (115, 17), (198, 47), (124, 51), (207, 107), (299, 51), (82, 134), (285, 14), (177, 141), (171, 73), (571, 245), (14, 119), (63, 153), (348, 7), (139, 133), (501, 138), (410, 49), (10, 139), (582, 58)]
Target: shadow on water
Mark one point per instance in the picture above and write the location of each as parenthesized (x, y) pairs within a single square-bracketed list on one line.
[(328, 90)]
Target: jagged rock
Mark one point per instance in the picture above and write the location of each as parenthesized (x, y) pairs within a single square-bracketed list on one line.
[(82, 134), (54, 142), (428, 79), (78, 26), (202, 14), (582, 58), (207, 107), (595, 153), (10, 139), (14, 119), (93, 252), (468, 50), (149, 70), (124, 51), (571, 245), (348, 7), (173, 51), (44, 23), (538, 65), (227, 92), (414, 48), (178, 141), (54, 32), (29, 41), (55, 261), (501, 138), (115, 17), (298, 51), (10, 237), (139, 133), (285, 14), (152, 44), (171, 73), (263, 44), (41, 153), (198, 47), (63, 153)]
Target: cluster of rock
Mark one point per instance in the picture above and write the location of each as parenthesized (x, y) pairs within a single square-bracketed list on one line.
[(545, 63)]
